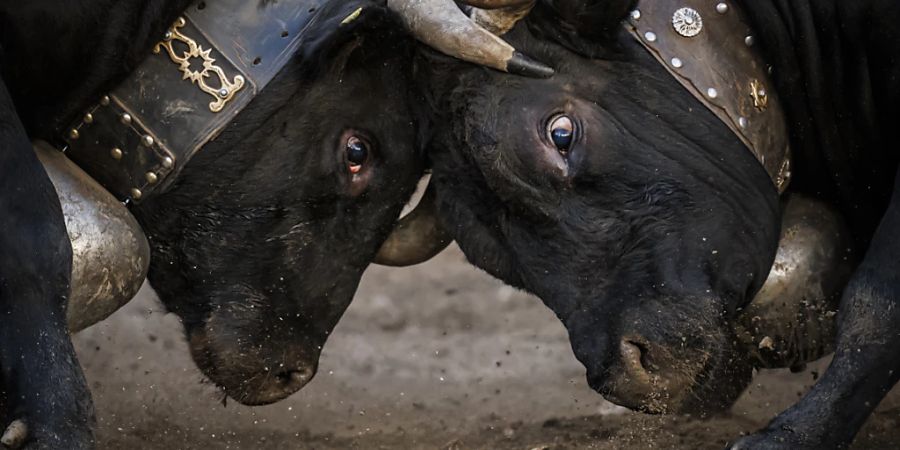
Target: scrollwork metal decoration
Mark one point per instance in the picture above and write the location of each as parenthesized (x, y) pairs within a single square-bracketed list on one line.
[(227, 89)]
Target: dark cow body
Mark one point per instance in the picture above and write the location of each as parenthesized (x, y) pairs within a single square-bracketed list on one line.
[(644, 222), (260, 243)]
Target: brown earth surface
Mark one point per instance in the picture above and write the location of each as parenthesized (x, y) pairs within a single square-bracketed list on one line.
[(437, 356)]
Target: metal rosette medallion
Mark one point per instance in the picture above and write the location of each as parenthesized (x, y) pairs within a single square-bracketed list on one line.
[(687, 22)]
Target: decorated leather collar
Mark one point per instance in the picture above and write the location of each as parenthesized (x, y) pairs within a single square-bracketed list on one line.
[(709, 48), (209, 65)]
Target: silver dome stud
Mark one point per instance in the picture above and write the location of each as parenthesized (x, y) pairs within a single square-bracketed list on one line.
[(749, 40), (168, 162), (677, 63), (126, 119), (650, 36), (147, 140), (636, 15), (712, 93), (722, 8)]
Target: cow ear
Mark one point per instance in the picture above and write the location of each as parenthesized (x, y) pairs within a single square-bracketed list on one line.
[(593, 20)]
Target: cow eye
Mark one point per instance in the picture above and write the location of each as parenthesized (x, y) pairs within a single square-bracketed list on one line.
[(561, 130), (357, 152)]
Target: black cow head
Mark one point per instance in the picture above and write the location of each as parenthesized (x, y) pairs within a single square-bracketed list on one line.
[(260, 245), (612, 194)]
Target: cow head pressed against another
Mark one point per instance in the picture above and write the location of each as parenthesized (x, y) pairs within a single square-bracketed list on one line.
[(261, 243), (614, 195)]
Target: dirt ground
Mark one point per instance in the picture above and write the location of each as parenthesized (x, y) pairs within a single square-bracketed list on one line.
[(438, 356)]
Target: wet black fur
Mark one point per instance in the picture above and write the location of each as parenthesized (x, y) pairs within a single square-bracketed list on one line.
[(663, 225), (224, 229)]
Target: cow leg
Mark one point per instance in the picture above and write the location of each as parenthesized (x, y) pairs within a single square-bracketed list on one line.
[(41, 380), (866, 363)]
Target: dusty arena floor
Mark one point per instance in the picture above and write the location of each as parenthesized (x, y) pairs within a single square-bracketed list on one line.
[(438, 356)]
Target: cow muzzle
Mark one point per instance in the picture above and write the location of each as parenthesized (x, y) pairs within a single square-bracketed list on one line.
[(790, 321), (259, 374)]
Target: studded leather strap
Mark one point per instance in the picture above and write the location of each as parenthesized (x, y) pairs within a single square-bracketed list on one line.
[(709, 48), (205, 70)]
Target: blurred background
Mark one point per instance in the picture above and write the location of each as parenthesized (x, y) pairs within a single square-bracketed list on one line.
[(436, 356)]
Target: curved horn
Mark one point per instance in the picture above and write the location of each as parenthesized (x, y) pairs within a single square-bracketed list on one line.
[(417, 237), (499, 16), (442, 25), (496, 4)]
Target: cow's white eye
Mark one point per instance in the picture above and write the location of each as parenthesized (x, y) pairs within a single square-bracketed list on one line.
[(357, 152), (561, 131)]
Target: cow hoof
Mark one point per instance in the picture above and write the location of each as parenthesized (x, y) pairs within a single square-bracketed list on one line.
[(19, 435), (15, 435), (783, 438)]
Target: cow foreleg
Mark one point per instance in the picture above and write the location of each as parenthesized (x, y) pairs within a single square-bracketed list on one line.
[(44, 391), (866, 363)]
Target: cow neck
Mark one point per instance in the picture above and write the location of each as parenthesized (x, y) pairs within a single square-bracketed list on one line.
[(709, 47), (207, 67)]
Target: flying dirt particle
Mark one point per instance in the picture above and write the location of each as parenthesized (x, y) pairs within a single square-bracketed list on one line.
[(767, 343)]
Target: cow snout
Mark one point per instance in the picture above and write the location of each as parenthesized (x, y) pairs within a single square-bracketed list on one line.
[(647, 376), (664, 377), (254, 372), (277, 384)]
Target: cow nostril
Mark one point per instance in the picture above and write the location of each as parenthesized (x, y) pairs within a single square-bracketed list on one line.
[(294, 378), (634, 360)]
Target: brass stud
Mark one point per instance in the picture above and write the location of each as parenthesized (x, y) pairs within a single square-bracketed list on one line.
[(73, 134), (151, 177), (88, 118), (126, 119), (104, 100), (136, 193), (168, 163), (116, 153), (147, 140)]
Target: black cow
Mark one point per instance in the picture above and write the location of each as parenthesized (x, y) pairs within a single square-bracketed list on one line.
[(261, 242), (646, 225)]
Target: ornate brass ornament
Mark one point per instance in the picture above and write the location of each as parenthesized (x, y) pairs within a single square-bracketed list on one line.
[(687, 22), (227, 88), (758, 93)]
